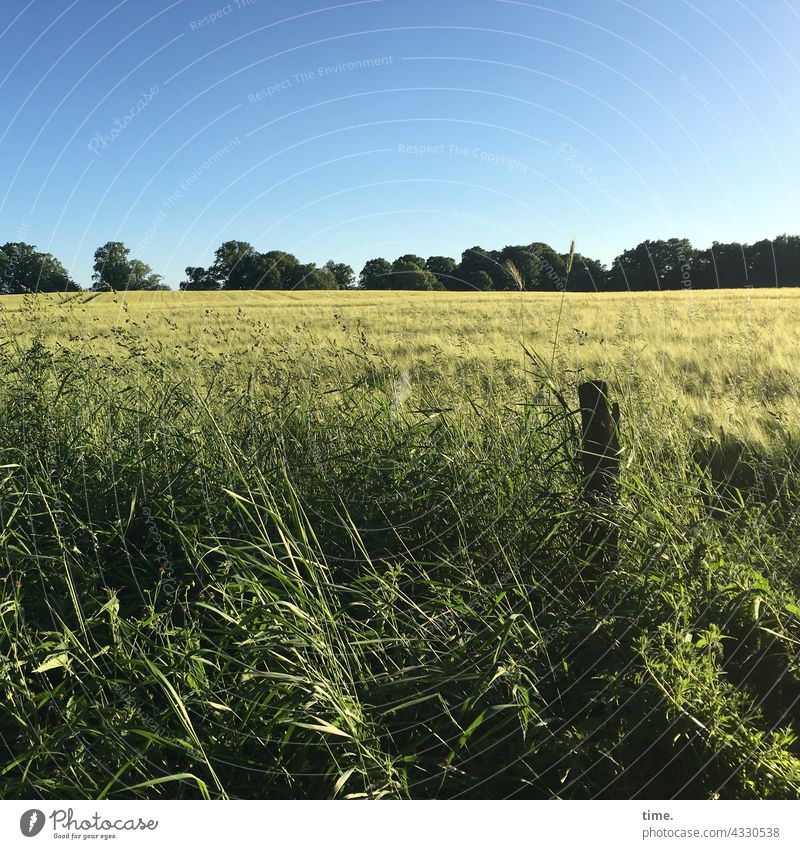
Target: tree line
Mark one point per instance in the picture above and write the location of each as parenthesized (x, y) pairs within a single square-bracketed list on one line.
[(670, 264)]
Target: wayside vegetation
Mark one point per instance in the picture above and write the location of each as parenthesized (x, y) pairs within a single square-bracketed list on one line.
[(244, 558)]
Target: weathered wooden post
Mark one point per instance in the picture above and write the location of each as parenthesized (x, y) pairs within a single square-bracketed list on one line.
[(600, 461)]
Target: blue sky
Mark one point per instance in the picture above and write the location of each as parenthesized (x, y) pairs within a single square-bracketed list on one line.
[(362, 129)]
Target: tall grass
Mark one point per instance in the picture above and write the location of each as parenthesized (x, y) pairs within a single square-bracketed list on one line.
[(237, 577)]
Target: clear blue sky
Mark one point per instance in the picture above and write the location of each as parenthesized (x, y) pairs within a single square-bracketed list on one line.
[(442, 124)]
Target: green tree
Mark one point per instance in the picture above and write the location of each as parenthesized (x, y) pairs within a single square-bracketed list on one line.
[(24, 269), (409, 275), (308, 276), (375, 274), (657, 265), (113, 270), (786, 250), (411, 259), (525, 261), (552, 268), (283, 263), (785, 262), (774, 262), (587, 275), (344, 274), (141, 276), (473, 261), (729, 265), (198, 279), (228, 268), (253, 271), (111, 267), (261, 272), (479, 281), (442, 267), (632, 270)]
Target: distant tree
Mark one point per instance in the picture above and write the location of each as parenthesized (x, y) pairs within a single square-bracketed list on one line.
[(283, 263), (198, 279), (442, 268), (723, 266), (253, 271), (7, 281), (24, 269), (308, 276), (344, 274), (410, 275), (411, 259), (774, 262), (375, 274), (228, 267), (703, 272), (142, 276), (587, 275), (479, 281), (111, 267), (632, 270), (552, 268), (786, 262), (237, 265), (50, 276), (655, 265), (113, 270), (669, 260), (475, 260), (293, 276), (662, 264), (731, 265), (525, 261), (762, 265), (262, 272)]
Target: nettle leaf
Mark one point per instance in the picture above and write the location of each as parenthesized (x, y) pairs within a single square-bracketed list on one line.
[(55, 661)]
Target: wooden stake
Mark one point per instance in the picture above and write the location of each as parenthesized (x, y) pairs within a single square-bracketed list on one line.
[(600, 461)]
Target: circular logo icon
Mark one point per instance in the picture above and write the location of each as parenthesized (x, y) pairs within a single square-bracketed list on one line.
[(31, 822)]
